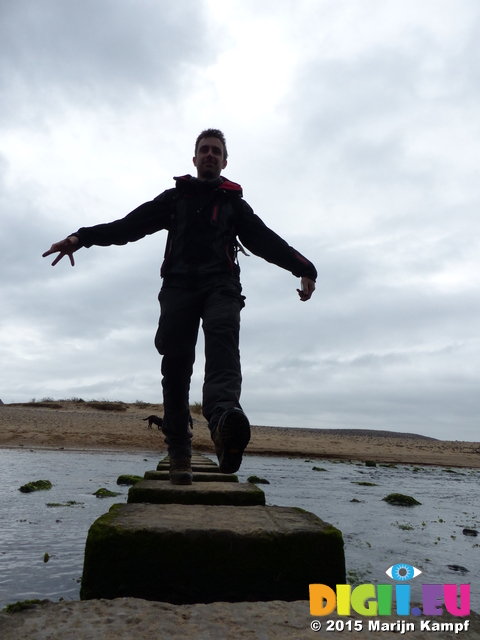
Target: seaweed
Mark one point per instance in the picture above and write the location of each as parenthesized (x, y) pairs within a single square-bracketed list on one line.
[(37, 485), (401, 500)]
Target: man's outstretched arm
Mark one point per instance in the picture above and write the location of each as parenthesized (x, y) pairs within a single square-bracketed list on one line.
[(264, 242), (65, 247), (146, 219)]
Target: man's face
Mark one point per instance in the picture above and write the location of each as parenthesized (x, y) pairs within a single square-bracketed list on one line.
[(209, 160)]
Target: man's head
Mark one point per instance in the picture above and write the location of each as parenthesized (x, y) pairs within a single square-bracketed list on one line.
[(210, 154)]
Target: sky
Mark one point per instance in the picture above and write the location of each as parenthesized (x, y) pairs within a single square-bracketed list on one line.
[(353, 127)]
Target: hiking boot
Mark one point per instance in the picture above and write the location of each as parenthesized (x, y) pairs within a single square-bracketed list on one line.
[(231, 436), (181, 470)]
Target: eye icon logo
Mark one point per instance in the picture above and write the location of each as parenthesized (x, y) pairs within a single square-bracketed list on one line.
[(402, 572)]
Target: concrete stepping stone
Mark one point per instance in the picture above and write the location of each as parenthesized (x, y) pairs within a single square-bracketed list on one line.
[(196, 466), (231, 493), (185, 554), (199, 463), (198, 476), (196, 457)]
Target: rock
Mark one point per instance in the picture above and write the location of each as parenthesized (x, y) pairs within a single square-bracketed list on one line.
[(457, 567), (24, 605), (185, 554), (128, 479), (105, 493), (69, 503), (198, 475), (470, 532), (37, 485), (221, 493), (400, 500), (206, 466), (257, 480)]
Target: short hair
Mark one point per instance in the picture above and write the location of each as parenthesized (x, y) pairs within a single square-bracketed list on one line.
[(212, 133)]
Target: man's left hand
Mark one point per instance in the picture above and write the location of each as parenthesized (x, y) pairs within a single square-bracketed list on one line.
[(308, 287)]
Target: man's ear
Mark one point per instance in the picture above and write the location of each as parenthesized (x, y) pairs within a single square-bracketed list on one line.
[(224, 164), (194, 160)]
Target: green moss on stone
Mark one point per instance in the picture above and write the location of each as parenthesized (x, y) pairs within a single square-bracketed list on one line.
[(21, 605), (121, 561), (37, 485), (105, 493), (128, 479), (401, 500), (69, 503), (257, 480)]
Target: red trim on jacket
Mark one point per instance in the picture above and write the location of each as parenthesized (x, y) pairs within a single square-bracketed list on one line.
[(226, 184)]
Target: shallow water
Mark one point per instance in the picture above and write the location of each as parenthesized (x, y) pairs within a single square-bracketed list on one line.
[(376, 534)]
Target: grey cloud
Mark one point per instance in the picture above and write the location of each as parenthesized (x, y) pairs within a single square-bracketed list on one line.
[(98, 51), (360, 115)]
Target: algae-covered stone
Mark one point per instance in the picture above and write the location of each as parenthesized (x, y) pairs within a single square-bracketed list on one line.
[(22, 605), (257, 480), (105, 493), (401, 500), (198, 476), (69, 503), (232, 493), (128, 479), (201, 553), (207, 467), (365, 484), (37, 485)]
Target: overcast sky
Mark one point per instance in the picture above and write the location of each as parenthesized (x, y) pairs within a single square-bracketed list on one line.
[(353, 127)]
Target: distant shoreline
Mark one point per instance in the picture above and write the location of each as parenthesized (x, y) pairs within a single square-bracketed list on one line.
[(351, 432), (79, 426)]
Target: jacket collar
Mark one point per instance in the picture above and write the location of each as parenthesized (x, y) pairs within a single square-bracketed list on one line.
[(220, 183)]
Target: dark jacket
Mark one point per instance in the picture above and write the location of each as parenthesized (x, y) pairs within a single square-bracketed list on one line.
[(204, 220)]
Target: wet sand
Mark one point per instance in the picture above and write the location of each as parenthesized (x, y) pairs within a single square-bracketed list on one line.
[(76, 425)]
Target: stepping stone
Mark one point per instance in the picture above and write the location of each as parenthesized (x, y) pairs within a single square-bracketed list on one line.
[(198, 476), (196, 457), (199, 463), (196, 466), (232, 493), (186, 554)]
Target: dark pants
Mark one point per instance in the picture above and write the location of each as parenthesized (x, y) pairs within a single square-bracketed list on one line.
[(219, 306)]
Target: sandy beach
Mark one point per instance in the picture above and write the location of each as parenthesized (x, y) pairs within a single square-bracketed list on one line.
[(73, 425)]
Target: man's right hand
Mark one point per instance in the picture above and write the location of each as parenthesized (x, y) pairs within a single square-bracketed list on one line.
[(65, 247)]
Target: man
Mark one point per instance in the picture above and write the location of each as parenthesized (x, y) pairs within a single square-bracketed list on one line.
[(203, 216)]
